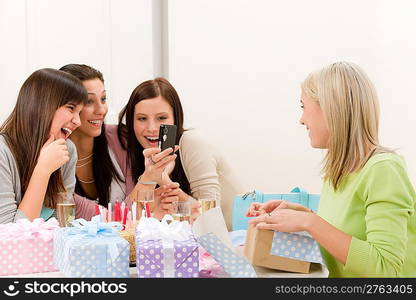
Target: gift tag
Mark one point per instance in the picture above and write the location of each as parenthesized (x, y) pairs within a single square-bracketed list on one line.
[(233, 264)]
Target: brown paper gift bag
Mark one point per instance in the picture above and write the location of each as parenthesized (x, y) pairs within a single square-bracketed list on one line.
[(257, 250)]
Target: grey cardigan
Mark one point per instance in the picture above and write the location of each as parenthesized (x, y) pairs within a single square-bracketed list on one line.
[(10, 189)]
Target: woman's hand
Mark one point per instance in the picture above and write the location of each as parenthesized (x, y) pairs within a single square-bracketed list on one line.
[(53, 155), (285, 220), (155, 163), (256, 209), (168, 170), (164, 196)]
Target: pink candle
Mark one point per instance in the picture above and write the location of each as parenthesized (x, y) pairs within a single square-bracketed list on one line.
[(147, 208)]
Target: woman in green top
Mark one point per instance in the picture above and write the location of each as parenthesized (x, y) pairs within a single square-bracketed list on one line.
[(365, 225)]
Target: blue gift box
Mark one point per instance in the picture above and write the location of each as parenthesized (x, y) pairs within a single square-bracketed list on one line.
[(91, 249)]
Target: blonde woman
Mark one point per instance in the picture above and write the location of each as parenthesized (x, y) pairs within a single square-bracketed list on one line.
[(365, 224)]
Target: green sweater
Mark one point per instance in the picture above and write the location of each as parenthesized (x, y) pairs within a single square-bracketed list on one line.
[(376, 207)]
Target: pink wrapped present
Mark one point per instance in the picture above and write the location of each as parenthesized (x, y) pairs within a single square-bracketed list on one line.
[(208, 266), (27, 247)]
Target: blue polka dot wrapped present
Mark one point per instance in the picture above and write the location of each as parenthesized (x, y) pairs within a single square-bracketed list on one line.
[(91, 249), (166, 249)]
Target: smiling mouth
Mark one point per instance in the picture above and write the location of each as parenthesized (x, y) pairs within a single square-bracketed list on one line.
[(152, 139), (66, 131), (96, 122)]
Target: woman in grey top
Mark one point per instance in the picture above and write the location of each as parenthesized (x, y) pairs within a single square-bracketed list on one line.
[(36, 160)]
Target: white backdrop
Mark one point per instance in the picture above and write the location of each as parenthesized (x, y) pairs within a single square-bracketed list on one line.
[(112, 36), (237, 65)]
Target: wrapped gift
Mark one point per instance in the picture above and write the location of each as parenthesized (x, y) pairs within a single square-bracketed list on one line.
[(27, 247), (208, 266), (91, 249), (292, 252), (166, 249), (128, 235)]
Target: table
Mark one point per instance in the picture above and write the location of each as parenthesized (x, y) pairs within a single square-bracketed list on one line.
[(316, 271)]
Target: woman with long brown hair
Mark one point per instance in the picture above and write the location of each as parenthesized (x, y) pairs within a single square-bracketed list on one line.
[(198, 167), (37, 162), (103, 175)]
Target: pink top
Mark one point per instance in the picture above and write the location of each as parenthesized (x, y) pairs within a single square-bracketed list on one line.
[(84, 207)]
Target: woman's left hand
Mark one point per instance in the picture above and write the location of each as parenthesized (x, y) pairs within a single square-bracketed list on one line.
[(285, 220), (164, 196)]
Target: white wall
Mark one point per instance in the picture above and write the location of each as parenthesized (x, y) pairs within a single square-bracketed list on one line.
[(12, 53), (238, 66), (112, 36)]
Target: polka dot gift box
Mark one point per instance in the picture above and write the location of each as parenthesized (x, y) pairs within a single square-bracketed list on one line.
[(293, 252), (233, 264), (27, 247), (92, 249), (166, 249)]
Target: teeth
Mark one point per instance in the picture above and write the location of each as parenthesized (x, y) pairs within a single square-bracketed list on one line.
[(68, 131), (96, 122), (152, 139)]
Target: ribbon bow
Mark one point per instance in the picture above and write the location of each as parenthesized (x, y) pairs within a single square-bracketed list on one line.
[(30, 230), (151, 229), (95, 227)]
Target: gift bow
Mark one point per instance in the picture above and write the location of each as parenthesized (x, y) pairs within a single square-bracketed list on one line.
[(152, 229), (96, 228), (24, 228)]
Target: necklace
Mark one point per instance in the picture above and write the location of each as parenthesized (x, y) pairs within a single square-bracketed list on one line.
[(87, 181), (81, 159), (88, 162)]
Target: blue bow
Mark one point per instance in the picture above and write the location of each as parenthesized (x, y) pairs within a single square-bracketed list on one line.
[(95, 227)]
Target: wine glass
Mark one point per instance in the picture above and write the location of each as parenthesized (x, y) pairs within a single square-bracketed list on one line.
[(65, 209)]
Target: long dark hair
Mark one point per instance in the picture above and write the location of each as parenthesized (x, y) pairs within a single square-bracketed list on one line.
[(148, 90), (28, 127), (103, 167)]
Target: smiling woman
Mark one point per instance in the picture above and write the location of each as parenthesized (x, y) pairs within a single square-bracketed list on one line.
[(200, 169), (365, 224), (99, 176), (36, 160), (103, 172)]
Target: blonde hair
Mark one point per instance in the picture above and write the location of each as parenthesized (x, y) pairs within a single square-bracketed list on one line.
[(349, 102)]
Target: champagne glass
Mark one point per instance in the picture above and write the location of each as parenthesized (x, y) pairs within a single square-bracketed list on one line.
[(208, 200), (182, 210), (65, 209), (146, 199)]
